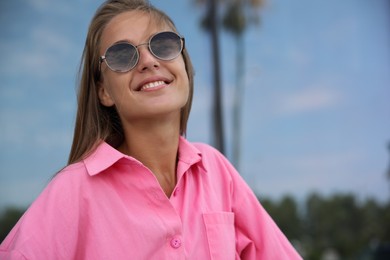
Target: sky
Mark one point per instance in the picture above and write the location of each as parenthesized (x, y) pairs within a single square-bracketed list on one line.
[(315, 114)]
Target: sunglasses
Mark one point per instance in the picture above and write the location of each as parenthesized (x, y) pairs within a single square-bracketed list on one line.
[(124, 56)]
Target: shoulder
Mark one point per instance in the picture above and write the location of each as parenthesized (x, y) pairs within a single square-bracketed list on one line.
[(219, 167), (208, 151), (211, 154), (69, 177), (214, 161), (63, 189), (54, 213)]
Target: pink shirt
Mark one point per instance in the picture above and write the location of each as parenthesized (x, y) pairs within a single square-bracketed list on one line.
[(110, 206)]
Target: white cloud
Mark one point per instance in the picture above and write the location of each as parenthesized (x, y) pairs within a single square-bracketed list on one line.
[(326, 173), (50, 140), (52, 6), (326, 164), (18, 124), (48, 38), (36, 63), (32, 126), (307, 100), (47, 55)]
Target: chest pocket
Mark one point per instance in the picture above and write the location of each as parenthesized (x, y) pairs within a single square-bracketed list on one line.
[(220, 235)]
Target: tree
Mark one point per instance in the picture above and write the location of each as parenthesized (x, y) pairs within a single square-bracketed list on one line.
[(286, 216), (339, 224), (210, 24), (238, 15), (335, 224), (8, 220)]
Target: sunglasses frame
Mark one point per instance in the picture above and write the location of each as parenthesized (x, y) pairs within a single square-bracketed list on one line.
[(103, 57)]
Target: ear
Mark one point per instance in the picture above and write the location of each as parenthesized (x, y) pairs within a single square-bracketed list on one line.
[(104, 95)]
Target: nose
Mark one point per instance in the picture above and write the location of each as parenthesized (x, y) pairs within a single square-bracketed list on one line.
[(146, 59)]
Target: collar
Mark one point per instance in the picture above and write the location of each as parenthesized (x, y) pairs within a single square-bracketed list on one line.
[(105, 156), (189, 155)]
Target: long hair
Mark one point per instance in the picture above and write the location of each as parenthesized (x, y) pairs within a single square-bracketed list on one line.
[(95, 122)]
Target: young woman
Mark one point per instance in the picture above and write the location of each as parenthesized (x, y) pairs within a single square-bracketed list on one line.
[(135, 188)]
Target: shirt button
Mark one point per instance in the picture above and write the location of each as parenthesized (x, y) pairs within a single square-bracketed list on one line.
[(175, 242)]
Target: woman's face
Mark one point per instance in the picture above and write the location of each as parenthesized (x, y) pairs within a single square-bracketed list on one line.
[(153, 87)]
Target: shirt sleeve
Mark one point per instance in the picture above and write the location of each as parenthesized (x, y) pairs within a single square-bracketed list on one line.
[(48, 229), (257, 235)]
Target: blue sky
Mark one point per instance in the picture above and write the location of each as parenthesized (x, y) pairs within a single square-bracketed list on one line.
[(316, 114)]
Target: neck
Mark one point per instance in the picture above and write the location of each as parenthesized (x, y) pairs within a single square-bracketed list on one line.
[(156, 146)]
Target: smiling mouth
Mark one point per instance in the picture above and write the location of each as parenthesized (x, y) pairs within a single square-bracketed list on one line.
[(153, 85)]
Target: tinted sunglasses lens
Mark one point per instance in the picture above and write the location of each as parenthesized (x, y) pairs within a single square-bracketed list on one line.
[(166, 45), (121, 57)]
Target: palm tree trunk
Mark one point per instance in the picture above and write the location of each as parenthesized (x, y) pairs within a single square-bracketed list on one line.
[(237, 100), (217, 104)]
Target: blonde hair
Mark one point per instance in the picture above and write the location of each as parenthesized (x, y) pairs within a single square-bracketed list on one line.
[(95, 122)]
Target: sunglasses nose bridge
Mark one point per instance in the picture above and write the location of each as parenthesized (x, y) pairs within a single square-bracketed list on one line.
[(144, 52), (142, 44)]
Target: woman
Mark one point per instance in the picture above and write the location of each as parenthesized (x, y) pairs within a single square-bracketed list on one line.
[(134, 187)]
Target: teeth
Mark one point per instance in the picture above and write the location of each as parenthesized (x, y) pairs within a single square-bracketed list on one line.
[(152, 84)]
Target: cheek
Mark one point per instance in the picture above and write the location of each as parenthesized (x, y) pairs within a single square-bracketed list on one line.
[(185, 82), (183, 74), (117, 85)]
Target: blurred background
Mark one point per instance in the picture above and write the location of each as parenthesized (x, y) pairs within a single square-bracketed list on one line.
[(295, 93)]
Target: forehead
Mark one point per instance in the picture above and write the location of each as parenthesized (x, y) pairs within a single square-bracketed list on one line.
[(132, 26)]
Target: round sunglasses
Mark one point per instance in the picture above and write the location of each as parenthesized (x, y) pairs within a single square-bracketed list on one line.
[(124, 56)]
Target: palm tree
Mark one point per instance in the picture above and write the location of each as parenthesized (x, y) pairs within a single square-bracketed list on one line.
[(238, 15), (235, 22), (210, 24)]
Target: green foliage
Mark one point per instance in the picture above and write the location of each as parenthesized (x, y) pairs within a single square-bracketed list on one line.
[(8, 219), (352, 229), (338, 223), (237, 15), (285, 214), (234, 19)]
